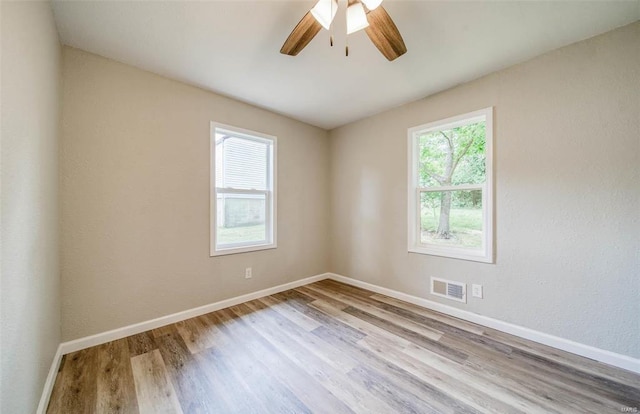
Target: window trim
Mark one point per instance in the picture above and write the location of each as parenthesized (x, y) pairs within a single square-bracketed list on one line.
[(270, 196), (486, 255)]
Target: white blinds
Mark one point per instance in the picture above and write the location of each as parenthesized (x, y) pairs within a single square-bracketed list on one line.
[(242, 163)]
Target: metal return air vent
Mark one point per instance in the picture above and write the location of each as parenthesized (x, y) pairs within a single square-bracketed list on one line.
[(449, 289)]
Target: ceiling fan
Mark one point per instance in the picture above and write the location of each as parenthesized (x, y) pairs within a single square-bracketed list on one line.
[(361, 14)]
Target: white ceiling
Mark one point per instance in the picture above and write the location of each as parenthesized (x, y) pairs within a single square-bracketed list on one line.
[(232, 47)]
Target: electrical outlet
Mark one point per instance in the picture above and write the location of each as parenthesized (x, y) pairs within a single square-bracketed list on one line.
[(247, 273), (476, 291)]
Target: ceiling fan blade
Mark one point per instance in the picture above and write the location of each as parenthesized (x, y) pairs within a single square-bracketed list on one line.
[(384, 34), (301, 35)]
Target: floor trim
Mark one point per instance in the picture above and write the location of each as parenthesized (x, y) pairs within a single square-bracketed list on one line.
[(50, 381), (602, 355), (119, 333)]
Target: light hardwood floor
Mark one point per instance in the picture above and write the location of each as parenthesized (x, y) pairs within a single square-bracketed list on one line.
[(333, 348)]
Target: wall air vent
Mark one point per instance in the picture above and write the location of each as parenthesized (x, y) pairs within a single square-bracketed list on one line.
[(448, 289)]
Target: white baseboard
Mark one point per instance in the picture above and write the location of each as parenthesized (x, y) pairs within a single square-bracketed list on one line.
[(51, 379), (119, 333), (602, 355)]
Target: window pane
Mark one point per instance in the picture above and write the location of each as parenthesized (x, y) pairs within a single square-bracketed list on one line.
[(241, 163), (241, 218), (452, 156), (451, 218)]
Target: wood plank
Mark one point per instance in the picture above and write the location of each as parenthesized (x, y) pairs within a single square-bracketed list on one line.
[(258, 379), (489, 385), (290, 330), (566, 358), (197, 334), (409, 335), (153, 386), (380, 376), (194, 392), (345, 330), (432, 320), (369, 307), (76, 390), (366, 328), (290, 312), (292, 295), (315, 294), (163, 330), (553, 394), (430, 399), (57, 391), (225, 379), (116, 392), (305, 387), (628, 395), (141, 343), (449, 385), (308, 357), (456, 332), (427, 313), (342, 288)]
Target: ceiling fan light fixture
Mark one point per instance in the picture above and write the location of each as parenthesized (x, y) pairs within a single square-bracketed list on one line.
[(356, 18), (372, 4), (324, 11), (381, 29)]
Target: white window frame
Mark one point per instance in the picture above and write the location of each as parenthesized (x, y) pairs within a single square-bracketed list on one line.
[(415, 244), (270, 194)]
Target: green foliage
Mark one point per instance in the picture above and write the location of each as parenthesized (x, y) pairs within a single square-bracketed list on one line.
[(471, 169), (453, 156), (459, 199)]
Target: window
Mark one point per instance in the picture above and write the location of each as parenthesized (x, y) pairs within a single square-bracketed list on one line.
[(451, 187), (243, 197)]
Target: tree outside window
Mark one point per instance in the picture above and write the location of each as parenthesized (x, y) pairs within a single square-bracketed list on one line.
[(450, 185)]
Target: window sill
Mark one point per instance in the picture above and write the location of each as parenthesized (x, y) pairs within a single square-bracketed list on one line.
[(453, 254), (246, 249)]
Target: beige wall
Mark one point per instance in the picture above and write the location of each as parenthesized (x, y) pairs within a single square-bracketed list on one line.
[(567, 163), (135, 191), (29, 293)]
